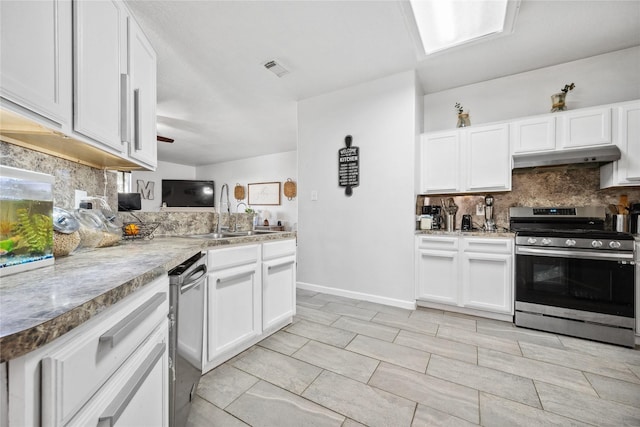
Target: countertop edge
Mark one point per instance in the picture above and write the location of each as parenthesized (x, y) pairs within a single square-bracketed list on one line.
[(19, 343)]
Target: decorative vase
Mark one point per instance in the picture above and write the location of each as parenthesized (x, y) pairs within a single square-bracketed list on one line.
[(463, 120), (557, 102)]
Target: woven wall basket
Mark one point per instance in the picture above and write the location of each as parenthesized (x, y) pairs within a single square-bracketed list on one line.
[(290, 189), (238, 192)]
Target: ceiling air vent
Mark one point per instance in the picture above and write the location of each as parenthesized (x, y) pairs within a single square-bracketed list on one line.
[(275, 68)]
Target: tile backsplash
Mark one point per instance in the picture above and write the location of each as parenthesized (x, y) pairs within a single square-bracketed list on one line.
[(69, 176), (574, 185)]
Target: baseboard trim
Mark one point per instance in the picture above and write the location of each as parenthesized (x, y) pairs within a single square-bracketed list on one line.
[(409, 305), (469, 311)]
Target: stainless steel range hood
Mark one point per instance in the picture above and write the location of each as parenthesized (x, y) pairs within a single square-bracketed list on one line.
[(600, 154)]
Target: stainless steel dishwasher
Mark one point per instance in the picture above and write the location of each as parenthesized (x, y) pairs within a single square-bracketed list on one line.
[(186, 322)]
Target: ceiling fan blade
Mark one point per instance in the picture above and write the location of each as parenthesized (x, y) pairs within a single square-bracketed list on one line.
[(164, 139)]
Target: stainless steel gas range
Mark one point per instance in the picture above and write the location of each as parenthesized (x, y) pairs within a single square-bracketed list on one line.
[(572, 276)]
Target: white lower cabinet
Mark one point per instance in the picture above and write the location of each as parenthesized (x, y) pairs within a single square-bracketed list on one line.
[(437, 269), (465, 272), (487, 271), (278, 284), (233, 301), (251, 293), (112, 367)]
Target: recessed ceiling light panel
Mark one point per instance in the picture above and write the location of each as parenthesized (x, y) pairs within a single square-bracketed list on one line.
[(443, 24)]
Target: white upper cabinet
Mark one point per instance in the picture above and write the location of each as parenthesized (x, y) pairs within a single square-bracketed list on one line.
[(585, 128), (626, 171), (142, 70), (533, 135), (440, 167), (488, 158), (559, 131), (99, 44), (466, 160), (35, 57)]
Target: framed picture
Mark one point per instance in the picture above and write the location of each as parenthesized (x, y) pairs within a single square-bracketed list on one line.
[(264, 193)]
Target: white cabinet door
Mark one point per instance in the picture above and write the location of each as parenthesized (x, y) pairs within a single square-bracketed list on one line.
[(534, 135), (278, 292), (487, 274), (142, 68), (583, 128), (100, 59), (437, 269), (629, 134), (488, 158), (438, 276), (486, 281), (440, 162), (35, 56), (233, 309)]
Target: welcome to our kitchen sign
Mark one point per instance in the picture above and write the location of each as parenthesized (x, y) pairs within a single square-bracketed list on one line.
[(348, 166)]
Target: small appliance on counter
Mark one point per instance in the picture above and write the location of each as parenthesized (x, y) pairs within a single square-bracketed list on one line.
[(26, 224), (489, 222), (431, 217), (467, 223), (634, 216)]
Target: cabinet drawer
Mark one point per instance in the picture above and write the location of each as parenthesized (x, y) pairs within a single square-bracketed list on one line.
[(137, 394), (438, 242), (278, 249), (232, 257), (487, 245), (72, 373)]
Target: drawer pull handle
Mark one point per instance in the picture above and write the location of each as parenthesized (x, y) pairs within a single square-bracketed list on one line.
[(234, 277), (129, 323), (283, 264), (122, 400)]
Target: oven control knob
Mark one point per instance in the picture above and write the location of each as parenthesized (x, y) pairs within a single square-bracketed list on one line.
[(596, 244), (570, 242), (531, 240), (614, 245), (546, 241)]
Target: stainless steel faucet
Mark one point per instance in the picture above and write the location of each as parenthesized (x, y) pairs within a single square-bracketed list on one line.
[(238, 206), (222, 193)]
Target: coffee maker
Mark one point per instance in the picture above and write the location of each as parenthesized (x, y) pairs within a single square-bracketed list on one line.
[(435, 212), (489, 222)]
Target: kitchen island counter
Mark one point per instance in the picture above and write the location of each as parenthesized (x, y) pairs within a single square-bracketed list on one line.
[(40, 305)]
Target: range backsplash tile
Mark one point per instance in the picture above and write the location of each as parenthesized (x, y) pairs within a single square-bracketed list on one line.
[(69, 176), (575, 185)]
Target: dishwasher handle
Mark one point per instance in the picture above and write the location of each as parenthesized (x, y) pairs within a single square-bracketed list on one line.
[(197, 276)]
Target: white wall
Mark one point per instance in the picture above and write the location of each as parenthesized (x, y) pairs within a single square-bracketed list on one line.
[(602, 79), (165, 170), (359, 246), (270, 168)]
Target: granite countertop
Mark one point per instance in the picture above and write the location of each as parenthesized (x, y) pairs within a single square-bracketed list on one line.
[(40, 305), (474, 233)]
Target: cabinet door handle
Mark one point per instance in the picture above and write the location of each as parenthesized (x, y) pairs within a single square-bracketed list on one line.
[(129, 323), (122, 400), (282, 264), (234, 277), (136, 120), (125, 135)]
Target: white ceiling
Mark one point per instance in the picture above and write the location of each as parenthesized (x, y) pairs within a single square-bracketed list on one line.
[(219, 103)]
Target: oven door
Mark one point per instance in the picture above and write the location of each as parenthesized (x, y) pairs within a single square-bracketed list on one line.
[(592, 281)]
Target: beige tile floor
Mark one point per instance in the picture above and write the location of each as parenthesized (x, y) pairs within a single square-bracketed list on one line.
[(346, 362)]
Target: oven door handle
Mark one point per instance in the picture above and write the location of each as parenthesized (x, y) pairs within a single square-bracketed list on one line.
[(607, 256)]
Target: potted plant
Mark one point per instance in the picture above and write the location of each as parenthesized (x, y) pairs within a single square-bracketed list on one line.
[(463, 118), (558, 99)]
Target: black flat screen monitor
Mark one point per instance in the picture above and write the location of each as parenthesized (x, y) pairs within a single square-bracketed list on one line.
[(129, 202), (187, 193)]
